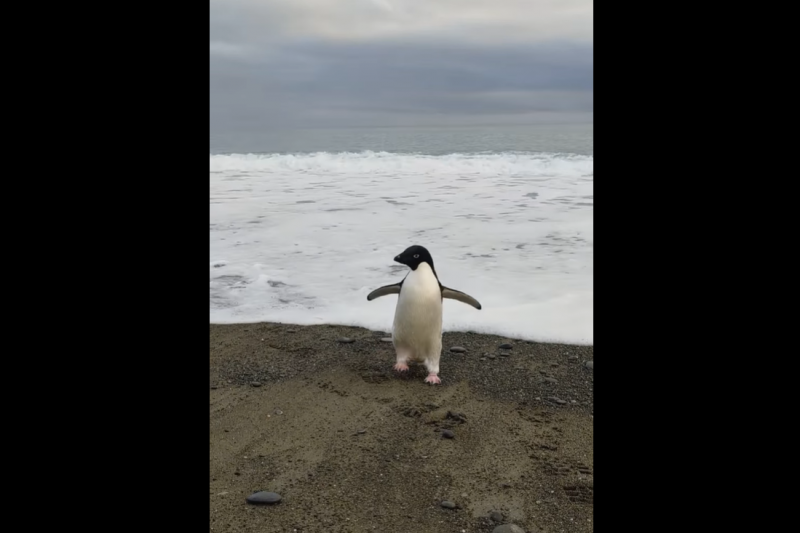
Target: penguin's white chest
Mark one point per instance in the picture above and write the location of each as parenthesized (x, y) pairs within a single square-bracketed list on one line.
[(418, 316)]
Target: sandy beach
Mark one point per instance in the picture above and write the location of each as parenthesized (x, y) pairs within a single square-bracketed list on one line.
[(317, 415)]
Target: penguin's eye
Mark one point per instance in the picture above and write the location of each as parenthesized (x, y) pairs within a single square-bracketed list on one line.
[(416, 256)]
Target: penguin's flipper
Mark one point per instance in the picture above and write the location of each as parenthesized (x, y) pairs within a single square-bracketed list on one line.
[(384, 291), (463, 297)]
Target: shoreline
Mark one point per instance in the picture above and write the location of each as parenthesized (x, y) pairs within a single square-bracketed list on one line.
[(316, 414), (387, 332)]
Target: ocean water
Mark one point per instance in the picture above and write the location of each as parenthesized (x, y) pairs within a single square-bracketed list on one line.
[(304, 226)]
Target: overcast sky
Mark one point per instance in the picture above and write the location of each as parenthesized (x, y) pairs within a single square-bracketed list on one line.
[(320, 63)]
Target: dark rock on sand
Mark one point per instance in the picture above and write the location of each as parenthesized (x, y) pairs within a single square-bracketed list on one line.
[(345, 340), (458, 349), (496, 516), (458, 417), (448, 505), (506, 346), (446, 433), (263, 497), (590, 365)]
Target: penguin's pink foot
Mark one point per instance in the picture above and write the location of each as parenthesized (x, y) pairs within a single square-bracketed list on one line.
[(401, 367), (433, 379)]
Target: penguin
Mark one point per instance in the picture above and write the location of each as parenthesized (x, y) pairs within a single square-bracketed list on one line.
[(417, 330)]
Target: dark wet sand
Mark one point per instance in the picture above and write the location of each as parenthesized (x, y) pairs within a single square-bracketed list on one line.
[(351, 447)]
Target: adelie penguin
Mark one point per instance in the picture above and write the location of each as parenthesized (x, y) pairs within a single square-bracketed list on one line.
[(417, 330)]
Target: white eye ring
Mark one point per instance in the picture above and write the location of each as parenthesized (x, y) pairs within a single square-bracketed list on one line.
[(416, 256)]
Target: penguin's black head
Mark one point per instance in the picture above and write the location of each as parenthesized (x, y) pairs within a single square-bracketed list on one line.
[(413, 256)]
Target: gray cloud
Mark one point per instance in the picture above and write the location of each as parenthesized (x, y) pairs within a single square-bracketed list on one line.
[(280, 63)]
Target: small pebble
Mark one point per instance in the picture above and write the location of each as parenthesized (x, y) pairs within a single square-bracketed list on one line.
[(573, 358), (291, 331), (559, 401), (491, 356), (505, 354), (263, 497), (255, 384), (497, 516), (506, 346), (590, 365), (550, 380), (458, 349), (448, 505), (345, 340), (446, 433), (361, 431), (386, 339), (461, 417)]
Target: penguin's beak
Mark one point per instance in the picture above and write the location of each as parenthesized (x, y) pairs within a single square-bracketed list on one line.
[(397, 258)]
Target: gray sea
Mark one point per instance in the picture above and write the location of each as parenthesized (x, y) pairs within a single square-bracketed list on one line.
[(305, 223)]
